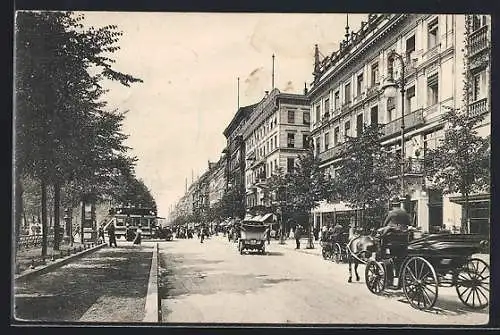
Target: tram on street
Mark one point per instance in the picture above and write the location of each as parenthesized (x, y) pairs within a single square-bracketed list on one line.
[(133, 217)]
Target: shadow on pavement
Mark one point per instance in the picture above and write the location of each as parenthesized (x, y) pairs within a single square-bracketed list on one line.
[(66, 293), (274, 253), (180, 276)]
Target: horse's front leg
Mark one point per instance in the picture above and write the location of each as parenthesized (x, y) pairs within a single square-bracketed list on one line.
[(356, 270), (349, 258)]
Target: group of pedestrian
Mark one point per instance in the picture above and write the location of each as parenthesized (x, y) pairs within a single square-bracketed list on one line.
[(112, 235)]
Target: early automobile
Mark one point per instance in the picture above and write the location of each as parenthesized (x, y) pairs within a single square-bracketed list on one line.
[(253, 236)]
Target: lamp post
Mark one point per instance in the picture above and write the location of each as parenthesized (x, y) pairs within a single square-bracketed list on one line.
[(390, 90)]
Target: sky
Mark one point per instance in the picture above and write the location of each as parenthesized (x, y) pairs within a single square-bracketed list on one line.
[(190, 63)]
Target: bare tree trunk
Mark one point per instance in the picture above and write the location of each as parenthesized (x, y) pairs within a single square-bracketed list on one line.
[(465, 222), (44, 217), (57, 216)]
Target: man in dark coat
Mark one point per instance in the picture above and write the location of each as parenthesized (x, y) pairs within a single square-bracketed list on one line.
[(298, 235), (111, 235), (397, 220)]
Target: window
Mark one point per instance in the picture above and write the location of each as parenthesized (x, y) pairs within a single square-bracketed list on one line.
[(337, 100), (410, 48), (410, 99), (276, 164), (306, 118), (478, 86), (478, 21), (318, 145), (347, 127), (327, 106), (391, 114), (305, 141), (290, 163), (374, 73), (432, 89), (318, 113), (291, 117), (347, 93), (268, 146), (359, 124), (359, 84), (433, 33), (335, 136), (327, 141), (374, 115), (276, 141), (291, 140)]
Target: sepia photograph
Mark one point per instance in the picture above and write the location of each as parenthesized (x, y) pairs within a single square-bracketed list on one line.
[(279, 169)]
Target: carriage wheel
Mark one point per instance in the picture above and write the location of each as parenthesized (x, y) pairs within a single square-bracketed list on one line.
[(375, 277), (324, 252), (337, 253), (472, 283), (420, 283)]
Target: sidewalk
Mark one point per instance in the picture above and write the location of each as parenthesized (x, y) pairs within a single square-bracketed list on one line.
[(109, 285)]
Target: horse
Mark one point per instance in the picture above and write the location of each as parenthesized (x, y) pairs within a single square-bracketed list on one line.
[(359, 248)]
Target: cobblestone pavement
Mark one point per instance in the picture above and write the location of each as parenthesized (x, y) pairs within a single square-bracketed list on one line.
[(109, 285), (212, 282)]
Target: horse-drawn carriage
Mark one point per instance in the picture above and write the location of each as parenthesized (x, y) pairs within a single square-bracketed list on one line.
[(335, 249), (423, 265)]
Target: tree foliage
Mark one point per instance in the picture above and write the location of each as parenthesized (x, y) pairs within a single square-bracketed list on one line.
[(364, 176), (461, 162), (64, 134)]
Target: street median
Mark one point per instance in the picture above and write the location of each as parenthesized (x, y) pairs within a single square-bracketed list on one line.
[(51, 265)]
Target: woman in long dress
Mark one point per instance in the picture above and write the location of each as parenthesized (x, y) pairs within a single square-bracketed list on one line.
[(138, 236)]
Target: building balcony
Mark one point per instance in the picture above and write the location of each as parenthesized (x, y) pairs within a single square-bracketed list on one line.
[(413, 167), (478, 107), (332, 153), (412, 120), (478, 41)]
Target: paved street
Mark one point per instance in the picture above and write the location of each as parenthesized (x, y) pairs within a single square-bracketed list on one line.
[(109, 285), (212, 282)]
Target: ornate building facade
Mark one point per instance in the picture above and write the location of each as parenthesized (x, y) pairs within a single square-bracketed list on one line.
[(347, 94), (275, 135)]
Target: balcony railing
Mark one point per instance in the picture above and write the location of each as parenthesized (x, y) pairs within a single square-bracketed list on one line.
[(478, 107), (411, 120), (332, 153), (478, 40), (412, 167)]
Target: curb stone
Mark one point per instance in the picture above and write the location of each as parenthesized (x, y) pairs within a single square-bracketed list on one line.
[(29, 274), (152, 308)]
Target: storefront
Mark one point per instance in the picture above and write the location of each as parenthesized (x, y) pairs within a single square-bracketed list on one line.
[(479, 213)]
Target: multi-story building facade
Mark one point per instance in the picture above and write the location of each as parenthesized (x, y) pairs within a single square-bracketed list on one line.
[(276, 133), (347, 93), (216, 181), (235, 151)]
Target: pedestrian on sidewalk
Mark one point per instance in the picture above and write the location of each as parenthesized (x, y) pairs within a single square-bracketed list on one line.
[(101, 235), (297, 234), (111, 235), (202, 234), (138, 236), (268, 235)]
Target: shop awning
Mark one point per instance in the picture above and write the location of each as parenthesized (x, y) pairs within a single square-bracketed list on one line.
[(472, 198), (266, 217), (256, 218)]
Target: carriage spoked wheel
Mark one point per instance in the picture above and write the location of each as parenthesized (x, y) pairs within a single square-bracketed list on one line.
[(472, 283), (325, 252), (337, 253), (420, 283), (375, 277)]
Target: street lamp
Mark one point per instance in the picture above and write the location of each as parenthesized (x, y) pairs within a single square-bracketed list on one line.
[(389, 88)]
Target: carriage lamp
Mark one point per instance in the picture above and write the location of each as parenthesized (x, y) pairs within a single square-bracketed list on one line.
[(389, 88)]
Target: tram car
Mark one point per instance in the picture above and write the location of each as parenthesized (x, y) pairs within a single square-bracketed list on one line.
[(131, 218)]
